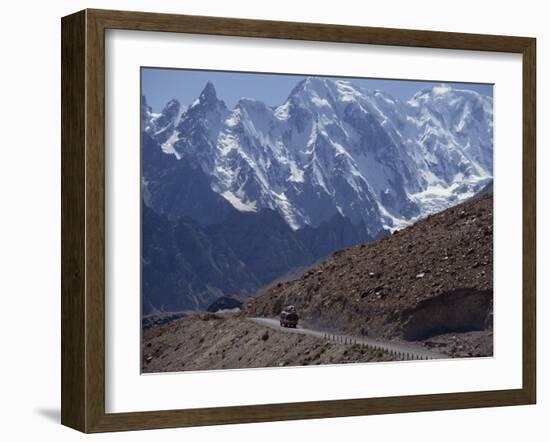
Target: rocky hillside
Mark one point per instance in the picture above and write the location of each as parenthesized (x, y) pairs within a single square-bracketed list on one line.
[(431, 279), (211, 342)]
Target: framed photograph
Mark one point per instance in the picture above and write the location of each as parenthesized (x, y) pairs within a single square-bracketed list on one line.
[(268, 221)]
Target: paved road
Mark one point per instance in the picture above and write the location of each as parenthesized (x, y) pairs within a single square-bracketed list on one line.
[(402, 347)]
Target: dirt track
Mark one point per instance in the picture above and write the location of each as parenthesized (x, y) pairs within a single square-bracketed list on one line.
[(399, 347), (213, 342)]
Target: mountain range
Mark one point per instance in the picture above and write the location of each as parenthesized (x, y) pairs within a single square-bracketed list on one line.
[(267, 189), (332, 147)]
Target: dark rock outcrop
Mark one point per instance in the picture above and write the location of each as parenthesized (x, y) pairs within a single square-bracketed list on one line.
[(454, 311), (224, 303)]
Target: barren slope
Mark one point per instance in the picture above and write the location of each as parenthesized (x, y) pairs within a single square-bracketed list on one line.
[(430, 279), (210, 342)]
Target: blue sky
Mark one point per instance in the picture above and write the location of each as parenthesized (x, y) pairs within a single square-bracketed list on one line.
[(160, 85)]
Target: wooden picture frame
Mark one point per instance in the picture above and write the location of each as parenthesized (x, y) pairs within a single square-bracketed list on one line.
[(83, 220)]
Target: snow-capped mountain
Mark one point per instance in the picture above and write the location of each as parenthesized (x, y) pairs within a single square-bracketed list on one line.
[(334, 148)]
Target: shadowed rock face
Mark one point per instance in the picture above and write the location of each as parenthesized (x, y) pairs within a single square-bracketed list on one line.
[(224, 303), (461, 310), (188, 266), (432, 278)]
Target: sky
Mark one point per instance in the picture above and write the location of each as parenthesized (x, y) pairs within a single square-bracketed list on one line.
[(160, 85)]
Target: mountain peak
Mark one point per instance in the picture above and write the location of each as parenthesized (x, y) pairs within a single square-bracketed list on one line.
[(314, 94), (310, 85), (323, 91), (250, 102), (208, 94), (172, 103), (444, 93), (172, 108), (208, 99), (144, 101), (315, 82), (254, 109)]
